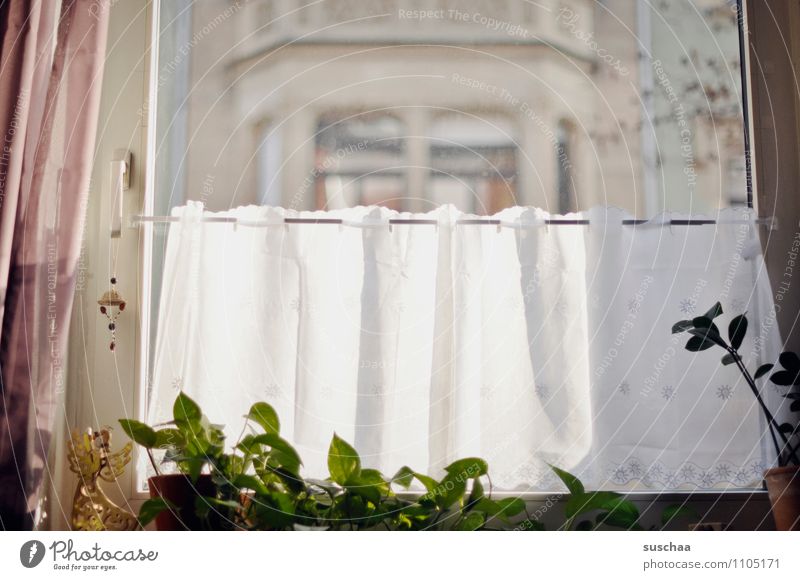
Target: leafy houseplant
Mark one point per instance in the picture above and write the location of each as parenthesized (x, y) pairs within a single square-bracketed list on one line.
[(191, 442), (611, 509), (783, 481), (258, 486)]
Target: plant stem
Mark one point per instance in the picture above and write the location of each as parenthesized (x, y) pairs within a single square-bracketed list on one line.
[(773, 424), (153, 461)]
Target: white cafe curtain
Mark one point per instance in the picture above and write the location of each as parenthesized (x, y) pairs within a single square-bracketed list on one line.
[(524, 344)]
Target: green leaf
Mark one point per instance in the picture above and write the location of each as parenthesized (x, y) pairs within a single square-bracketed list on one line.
[(193, 466), (737, 330), (682, 326), (204, 505), (676, 511), (728, 359), (530, 526), (152, 507), (511, 506), (581, 503), (696, 344), (429, 483), (475, 494), (468, 468), (703, 322), (762, 370), (343, 461), (473, 521), (168, 438), (186, 411), (573, 484), (621, 513), (264, 414), (449, 491), (142, 434), (244, 481), (282, 454), (703, 338), (714, 311), (789, 360), (403, 477), (784, 378), (369, 484)]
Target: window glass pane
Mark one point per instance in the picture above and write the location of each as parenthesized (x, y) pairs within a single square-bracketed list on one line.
[(414, 104)]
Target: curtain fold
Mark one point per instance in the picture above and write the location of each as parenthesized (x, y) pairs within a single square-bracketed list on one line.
[(525, 344), (52, 66)]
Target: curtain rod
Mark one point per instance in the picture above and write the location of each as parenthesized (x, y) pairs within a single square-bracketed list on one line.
[(139, 219)]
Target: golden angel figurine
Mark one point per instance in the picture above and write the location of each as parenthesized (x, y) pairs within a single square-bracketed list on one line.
[(91, 459)]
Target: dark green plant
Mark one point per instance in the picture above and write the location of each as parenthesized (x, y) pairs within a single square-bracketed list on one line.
[(189, 440), (706, 334), (591, 510), (259, 486)]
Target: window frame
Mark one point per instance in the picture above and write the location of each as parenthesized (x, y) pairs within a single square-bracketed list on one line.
[(142, 262)]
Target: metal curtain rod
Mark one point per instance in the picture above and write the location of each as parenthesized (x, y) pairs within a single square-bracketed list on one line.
[(429, 222)]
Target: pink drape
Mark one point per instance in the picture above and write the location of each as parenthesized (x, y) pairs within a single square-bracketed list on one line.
[(50, 77)]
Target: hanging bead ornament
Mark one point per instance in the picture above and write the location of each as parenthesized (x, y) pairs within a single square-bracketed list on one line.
[(111, 305)]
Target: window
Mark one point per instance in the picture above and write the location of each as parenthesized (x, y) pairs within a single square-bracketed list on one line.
[(471, 106), (359, 160), (577, 106), (566, 185)]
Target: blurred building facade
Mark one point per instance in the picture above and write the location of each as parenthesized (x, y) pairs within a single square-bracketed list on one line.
[(558, 104)]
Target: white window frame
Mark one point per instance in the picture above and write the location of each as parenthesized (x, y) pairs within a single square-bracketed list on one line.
[(126, 372)]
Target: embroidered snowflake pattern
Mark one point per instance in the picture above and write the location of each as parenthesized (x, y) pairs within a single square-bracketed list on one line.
[(635, 468), (634, 306), (741, 477), (295, 304), (177, 384), (541, 390), (656, 472), (377, 390), (707, 480), (688, 305), (724, 392), (624, 388), (687, 472), (487, 392), (326, 391), (620, 474), (671, 480), (723, 472), (667, 392), (272, 391)]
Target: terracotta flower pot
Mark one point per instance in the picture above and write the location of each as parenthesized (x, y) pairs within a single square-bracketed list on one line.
[(783, 485), (178, 489)]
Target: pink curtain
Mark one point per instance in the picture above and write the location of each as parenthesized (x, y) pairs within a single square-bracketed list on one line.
[(51, 69)]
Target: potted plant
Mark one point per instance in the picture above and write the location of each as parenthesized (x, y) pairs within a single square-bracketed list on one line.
[(783, 481), (189, 441), (258, 485)]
